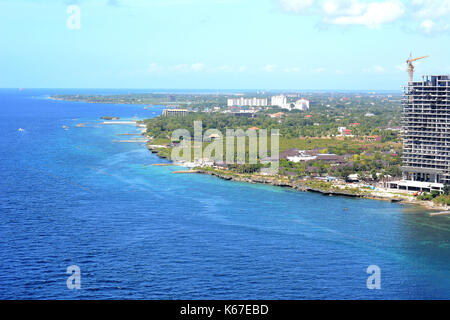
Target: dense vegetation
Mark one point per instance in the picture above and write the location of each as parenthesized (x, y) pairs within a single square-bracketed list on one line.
[(437, 197), (366, 114), (316, 129)]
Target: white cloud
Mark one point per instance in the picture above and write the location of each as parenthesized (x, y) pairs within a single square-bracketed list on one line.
[(179, 67), (427, 9), (292, 69), (428, 27), (431, 17), (160, 3), (297, 6), (375, 69), (227, 69), (196, 67), (270, 67), (154, 67), (223, 69), (433, 14), (342, 7), (354, 12), (402, 67), (318, 70), (274, 67), (371, 13)]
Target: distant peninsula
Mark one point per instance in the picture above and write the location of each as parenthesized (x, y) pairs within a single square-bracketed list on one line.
[(172, 100)]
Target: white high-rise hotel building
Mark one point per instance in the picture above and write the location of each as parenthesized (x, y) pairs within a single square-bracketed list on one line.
[(247, 102), (281, 101), (302, 104), (426, 135), (426, 142)]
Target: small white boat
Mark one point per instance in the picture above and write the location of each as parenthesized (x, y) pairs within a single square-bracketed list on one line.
[(443, 213), (21, 130)]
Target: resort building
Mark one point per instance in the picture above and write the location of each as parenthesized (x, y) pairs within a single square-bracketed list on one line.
[(244, 113), (175, 112), (343, 131), (296, 155), (426, 138), (279, 101), (301, 104), (426, 135), (247, 102)]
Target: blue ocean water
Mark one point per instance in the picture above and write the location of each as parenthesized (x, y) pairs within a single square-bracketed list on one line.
[(74, 197)]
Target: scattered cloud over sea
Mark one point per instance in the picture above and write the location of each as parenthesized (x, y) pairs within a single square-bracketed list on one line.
[(429, 17)]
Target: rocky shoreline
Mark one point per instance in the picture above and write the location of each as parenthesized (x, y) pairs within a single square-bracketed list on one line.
[(299, 186), (293, 185)]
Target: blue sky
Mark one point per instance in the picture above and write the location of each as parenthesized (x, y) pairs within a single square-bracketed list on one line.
[(221, 44)]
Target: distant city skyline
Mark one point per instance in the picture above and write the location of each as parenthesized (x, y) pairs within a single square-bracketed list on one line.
[(218, 44)]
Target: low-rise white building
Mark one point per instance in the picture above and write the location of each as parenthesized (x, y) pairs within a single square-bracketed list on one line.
[(342, 129), (420, 186), (175, 112), (301, 156), (247, 102)]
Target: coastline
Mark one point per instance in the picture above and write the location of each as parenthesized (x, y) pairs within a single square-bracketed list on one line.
[(80, 100), (284, 182), (96, 102), (305, 187), (146, 105), (299, 186)]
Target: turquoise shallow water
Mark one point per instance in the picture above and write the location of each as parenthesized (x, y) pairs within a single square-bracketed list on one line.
[(136, 231)]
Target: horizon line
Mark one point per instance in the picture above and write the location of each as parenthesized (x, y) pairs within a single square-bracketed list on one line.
[(200, 89)]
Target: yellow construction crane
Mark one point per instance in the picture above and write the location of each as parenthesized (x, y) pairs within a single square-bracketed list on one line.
[(411, 66)]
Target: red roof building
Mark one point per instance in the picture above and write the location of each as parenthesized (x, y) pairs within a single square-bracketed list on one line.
[(347, 132), (374, 138), (277, 115)]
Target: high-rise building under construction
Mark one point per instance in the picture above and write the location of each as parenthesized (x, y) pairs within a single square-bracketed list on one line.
[(426, 126)]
